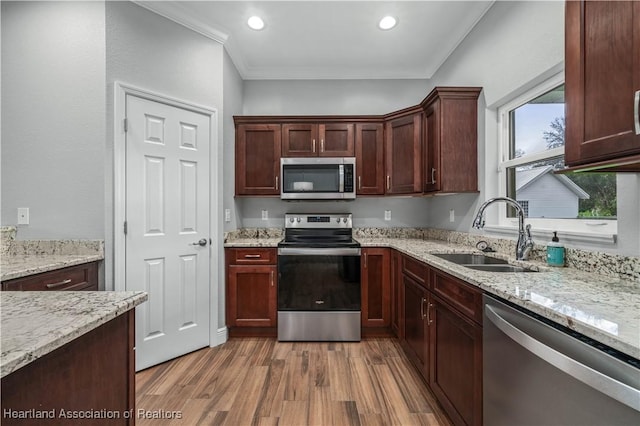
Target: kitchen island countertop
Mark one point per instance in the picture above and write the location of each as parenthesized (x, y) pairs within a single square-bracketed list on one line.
[(34, 324), (601, 307)]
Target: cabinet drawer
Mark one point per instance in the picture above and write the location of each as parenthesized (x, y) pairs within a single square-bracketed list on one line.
[(415, 269), (252, 256), (461, 296), (80, 277)]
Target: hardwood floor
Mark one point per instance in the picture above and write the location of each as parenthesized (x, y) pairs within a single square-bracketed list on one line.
[(252, 381)]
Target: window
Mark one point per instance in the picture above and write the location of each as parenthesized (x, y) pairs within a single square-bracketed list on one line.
[(532, 150)]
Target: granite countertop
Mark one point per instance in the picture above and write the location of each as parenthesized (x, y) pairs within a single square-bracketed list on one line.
[(253, 242), (36, 323), (18, 266), (602, 307)]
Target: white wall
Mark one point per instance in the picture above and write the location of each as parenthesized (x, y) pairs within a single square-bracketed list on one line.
[(331, 97), (53, 109), (233, 96)]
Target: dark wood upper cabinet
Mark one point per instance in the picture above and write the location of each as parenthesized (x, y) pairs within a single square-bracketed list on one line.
[(258, 148), (602, 84), (369, 141), (426, 148), (299, 140), (451, 140), (336, 140), (403, 171), (318, 140)]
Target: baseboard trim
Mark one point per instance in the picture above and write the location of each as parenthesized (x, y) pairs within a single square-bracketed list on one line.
[(221, 336)]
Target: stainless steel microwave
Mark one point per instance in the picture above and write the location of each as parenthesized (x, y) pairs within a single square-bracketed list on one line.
[(323, 178)]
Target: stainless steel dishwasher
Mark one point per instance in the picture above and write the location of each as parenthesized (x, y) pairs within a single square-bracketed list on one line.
[(536, 373)]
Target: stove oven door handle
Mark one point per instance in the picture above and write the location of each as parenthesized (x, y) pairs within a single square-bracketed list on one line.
[(324, 251)]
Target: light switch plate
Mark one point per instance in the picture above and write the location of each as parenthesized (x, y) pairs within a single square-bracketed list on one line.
[(23, 215), (452, 215), (227, 215), (387, 215), (265, 214)]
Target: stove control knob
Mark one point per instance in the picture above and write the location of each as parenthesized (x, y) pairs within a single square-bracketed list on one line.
[(298, 219), (291, 219), (344, 219), (337, 220)]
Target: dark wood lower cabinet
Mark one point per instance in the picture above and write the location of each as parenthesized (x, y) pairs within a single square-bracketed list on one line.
[(455, 375), (441, 333), (375, 288), (251, 303), (251, 297), (396, 302), (72, 278), (93, 375), (415, 300)]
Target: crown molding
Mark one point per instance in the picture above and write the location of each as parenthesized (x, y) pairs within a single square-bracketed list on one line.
[(176, 13)]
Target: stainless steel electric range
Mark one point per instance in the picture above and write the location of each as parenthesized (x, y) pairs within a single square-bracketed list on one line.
[(318, 279)]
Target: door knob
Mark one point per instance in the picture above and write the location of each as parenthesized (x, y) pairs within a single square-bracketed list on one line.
[(202, 242)]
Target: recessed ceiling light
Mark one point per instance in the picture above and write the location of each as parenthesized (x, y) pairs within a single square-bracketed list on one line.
[(255, 23), (387, 23)]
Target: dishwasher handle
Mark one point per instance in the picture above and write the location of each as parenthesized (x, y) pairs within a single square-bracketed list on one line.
[(609, 386)]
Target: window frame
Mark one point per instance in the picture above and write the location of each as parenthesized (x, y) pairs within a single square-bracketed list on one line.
[(583, 230)]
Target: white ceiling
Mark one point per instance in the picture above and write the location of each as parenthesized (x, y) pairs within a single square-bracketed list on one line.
[(330, 39)]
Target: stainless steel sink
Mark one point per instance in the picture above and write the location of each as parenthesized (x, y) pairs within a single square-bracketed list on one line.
[(481, 262), (499, 268), (471, 259)]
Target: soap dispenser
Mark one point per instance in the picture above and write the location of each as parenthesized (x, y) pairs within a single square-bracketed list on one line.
[(555, 251)]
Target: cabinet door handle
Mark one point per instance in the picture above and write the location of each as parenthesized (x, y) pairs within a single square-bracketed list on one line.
[(388, 182), (359, 182), (422, 308), (636, 111), (59, 284), (321, 145), (429, 320), (252, 256), (272, 279), (277, 183), (313, 145), (433, 175)]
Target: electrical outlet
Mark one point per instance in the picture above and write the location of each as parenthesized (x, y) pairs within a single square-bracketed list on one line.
[(227, 215), (23, 215), (387, 215), (452, 215), (265, 214)]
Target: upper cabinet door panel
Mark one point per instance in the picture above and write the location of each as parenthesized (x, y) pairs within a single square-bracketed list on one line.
[(404, 155), (300, 140), (336, 140), (602, 51), (258, 159), (370, 158)]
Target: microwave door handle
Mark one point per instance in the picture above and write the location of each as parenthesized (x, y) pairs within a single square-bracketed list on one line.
[(341, 173)]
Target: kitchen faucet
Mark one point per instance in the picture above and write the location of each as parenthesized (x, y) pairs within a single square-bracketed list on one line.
[(525, 243)]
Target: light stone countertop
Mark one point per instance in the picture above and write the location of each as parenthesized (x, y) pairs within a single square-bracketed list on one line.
[(33, 323), (604, 308), (18, 266), (253, 242)]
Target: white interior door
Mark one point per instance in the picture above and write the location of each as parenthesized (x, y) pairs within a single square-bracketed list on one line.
[(167, 240)]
